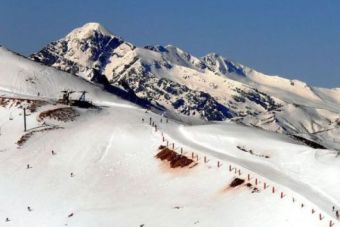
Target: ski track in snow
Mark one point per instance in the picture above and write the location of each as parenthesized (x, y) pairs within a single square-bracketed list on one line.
[(107, 148)]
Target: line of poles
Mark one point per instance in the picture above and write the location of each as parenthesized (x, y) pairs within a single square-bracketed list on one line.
[(237, 172)]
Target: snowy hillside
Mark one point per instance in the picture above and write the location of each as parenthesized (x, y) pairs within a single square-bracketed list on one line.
[(99, 166), (24, 78), (211, 88)]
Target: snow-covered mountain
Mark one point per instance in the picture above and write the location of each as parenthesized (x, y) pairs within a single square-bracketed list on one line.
[(210, 88), (99, 167)]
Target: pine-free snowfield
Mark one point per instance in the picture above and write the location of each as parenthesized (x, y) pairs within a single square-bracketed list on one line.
[(117, 181)]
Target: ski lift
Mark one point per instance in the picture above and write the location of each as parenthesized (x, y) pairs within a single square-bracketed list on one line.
[(82, 96), (66, 97)]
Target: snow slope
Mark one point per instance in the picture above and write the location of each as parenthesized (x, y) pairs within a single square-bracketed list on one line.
[(24, 78), (117, 181)]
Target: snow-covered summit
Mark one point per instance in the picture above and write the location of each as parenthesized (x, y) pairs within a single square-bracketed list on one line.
[(83, 50), (87, 30)]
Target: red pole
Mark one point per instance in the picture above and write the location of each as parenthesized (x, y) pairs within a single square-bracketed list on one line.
[(218, 164), (229, 168), (192, 155), (248, 176), (313, 211), (256, 181), (281, 195), (320, 217), (197, 157), (205, 159), (173, 145), (239, 172), (264, 185), (273, 189)]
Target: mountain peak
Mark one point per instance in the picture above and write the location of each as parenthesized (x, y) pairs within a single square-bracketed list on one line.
[(213, 55), (87, 30)]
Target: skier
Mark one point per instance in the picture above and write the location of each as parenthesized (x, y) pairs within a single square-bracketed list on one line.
[(337, 214), (28, 166), (7, 220), (29, 208), (53, 153), (143, 120), (72, 174)]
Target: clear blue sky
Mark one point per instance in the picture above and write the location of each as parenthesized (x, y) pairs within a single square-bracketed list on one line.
[(293, 38)]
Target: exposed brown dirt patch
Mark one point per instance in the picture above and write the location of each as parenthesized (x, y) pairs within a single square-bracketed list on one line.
[(175, 160), (236, 182), (252, 188), (31, 104), (23, 139), (60, 114)]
